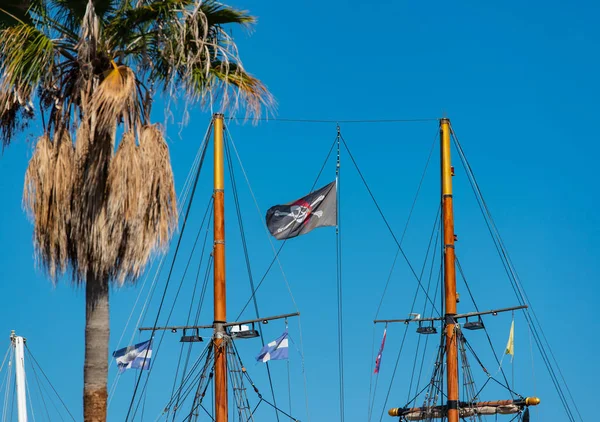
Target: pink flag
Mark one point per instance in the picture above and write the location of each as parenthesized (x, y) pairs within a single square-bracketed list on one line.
[(378, 360)]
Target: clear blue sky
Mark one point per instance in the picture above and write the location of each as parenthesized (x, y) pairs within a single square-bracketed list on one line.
[(519, 82)]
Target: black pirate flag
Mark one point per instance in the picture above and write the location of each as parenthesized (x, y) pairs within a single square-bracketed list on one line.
[(317, 209)]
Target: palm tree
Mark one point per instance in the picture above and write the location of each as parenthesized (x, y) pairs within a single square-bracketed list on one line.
[(101, 208)]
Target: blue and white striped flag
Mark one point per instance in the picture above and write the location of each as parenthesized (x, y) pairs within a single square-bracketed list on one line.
[(275, 350), (136, 357)]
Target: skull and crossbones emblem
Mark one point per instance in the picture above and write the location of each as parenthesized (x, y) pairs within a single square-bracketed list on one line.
[(300, 211)]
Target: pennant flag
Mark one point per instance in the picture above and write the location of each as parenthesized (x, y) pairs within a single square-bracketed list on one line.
[(134, 357), (317, 209), (510, 346), (378, 360), (275, 350)]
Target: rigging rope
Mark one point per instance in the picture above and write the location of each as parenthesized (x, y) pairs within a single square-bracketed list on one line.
[(433, 231), (206, 213), (260, 396), (339, 286), (193, 296), (485, 330), (386, 222), (438, 225), (187, 213), (37, 380), (410, 213), (7, 383), (276, 257), (283, 243), (519, 289), (247, 259), (372, 400), (34, 360), (337, 121), (181, 202)]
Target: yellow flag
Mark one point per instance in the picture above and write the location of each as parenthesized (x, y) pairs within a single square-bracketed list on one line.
[(510, 346)]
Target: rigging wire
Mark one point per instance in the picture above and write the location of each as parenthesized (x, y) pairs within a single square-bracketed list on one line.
[(533, 369), (30, 402), (7, 383), (433, 231), (338, 259), (485, 330), (204, 219), (410, 213), (256, 390), (438, 284), (274, 119), (41, 394), (191, 377), (207, 274), (276, 256), (187, 213), (396, 258), (247, 257), (435, 242), (34, 360), (386, 222), (193, 297), (408, 220), (181, 202), (277, 253), (519, 289)]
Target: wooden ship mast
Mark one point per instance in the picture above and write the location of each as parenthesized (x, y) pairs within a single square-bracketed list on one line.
[(221, 348), (454, 409)]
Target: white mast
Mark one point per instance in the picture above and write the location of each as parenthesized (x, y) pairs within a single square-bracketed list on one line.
[(18, 343)]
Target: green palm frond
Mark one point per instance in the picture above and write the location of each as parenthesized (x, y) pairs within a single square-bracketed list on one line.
[(16, 11), (220, 14), (71, 12), (222, 77), (26, 55), (130, 23)]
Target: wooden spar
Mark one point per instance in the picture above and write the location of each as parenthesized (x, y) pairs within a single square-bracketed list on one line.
[(263, 320), (220, 315), (457, 316), (449, 273), (466, 409)]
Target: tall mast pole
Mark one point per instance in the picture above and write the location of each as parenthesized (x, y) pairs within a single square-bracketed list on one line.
[(18, 343), (220, 336), (449, 274)]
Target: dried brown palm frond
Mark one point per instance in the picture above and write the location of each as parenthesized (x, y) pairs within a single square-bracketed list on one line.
[(124, 181), (14, 116), (64, 168), (160, 213), (125, 205), (115, 98), (38, 180), (47, 198)]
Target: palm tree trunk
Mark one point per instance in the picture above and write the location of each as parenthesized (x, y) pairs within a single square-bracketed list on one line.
[(95, 368)]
